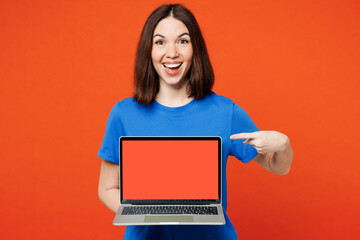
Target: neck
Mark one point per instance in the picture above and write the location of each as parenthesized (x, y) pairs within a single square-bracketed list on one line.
[(173, 97)]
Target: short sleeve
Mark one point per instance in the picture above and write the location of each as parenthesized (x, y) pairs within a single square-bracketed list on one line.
[(242, 123), (114, 130)]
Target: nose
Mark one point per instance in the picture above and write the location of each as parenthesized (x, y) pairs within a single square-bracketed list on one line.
[(171, 51)]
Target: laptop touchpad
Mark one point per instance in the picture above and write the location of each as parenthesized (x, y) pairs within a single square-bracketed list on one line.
[(169, 218)]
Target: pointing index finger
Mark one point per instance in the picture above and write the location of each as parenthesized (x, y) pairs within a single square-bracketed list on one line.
[(242, 136)]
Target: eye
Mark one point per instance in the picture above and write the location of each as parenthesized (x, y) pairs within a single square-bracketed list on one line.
[(184, 41), (159, 42)]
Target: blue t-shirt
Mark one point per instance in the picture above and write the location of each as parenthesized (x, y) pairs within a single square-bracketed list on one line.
[(213, 115)]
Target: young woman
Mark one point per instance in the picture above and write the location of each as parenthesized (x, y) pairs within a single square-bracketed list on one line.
[(173, 97)]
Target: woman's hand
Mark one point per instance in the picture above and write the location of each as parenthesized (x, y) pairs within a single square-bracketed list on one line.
[(264, 141)]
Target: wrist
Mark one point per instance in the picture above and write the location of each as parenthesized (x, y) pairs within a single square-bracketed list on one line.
[(285, 143)]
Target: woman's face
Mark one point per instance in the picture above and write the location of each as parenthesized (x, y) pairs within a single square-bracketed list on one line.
[(172, 51)]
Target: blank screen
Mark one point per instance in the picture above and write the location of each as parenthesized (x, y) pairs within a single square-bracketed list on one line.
[(170, 169)]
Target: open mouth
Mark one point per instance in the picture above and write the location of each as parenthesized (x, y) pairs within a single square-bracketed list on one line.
[(172, 68)]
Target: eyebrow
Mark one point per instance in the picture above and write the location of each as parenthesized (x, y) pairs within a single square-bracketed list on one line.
[(159, 35)]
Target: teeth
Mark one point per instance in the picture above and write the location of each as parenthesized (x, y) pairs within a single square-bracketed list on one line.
[(172, 65)]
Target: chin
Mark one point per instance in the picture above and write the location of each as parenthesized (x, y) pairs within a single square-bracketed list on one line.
[(174, 82)]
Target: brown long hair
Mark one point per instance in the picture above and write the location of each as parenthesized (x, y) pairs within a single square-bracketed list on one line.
[(146, 79)]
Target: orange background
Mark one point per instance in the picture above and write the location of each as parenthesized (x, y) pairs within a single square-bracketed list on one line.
[(170, 169), (294, 66)]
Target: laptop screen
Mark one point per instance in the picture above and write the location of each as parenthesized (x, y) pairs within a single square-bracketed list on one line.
[(169, 168)]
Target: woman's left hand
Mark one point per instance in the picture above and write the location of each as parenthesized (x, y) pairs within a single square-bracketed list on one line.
[(264, 141)]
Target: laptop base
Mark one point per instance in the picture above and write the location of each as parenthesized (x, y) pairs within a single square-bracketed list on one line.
[(175, 219)]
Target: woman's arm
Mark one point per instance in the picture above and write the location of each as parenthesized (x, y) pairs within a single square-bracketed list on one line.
[(275, 152), (276, 162), (109, 192)]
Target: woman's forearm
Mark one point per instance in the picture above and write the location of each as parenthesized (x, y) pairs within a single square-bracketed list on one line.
[(110, 198), (280, 161)]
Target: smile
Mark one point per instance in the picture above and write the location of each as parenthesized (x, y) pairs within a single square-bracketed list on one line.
[(172, 69)]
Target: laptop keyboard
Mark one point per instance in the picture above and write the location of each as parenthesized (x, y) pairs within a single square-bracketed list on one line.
[(140, 210)]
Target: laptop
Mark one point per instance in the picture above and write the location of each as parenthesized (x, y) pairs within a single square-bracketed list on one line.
[(170, 181)]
